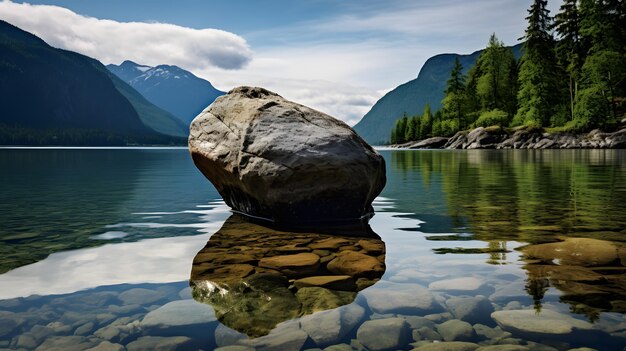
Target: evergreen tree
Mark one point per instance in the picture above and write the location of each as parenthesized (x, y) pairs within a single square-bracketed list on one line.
[(426, 123), (409, 134), (539, 94), (569, 49), (493, 85), (454, 100)]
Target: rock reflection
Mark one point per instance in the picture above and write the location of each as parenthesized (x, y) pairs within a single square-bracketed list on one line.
[(588, 272), (256, 277)]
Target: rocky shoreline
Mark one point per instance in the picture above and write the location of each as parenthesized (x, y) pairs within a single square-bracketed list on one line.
[(498, 138)]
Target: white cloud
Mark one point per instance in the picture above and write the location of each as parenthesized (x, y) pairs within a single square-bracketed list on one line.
[(113, 42)]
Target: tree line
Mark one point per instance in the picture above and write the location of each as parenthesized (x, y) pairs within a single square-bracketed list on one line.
[(571, 77)]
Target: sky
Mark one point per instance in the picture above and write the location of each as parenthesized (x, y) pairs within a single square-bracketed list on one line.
[(336, 56)]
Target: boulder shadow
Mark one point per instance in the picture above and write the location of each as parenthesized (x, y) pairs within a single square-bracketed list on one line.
[(256, 277)]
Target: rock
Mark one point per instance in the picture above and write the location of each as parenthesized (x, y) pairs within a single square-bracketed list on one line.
[(384, 334), (26, 341), (316, 299), (334, 282), (328, 327), (182, 313), (426, 333), (489, 333), (448, 346), (140, 296), (66, 343), (430, 143), (107, 346), (356, 265), (456, 330), (225, 336), (159, 343), (117, 333), (471, 309), (235, 348), (529, 323), (463, 285), (278, 341), (583, 252), (9, 322), (339, 347), (297, 265), (386, 297), (503, 348), (418, 322), (269, 157)]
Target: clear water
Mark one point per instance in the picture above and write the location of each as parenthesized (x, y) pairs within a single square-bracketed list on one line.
[(102, 248)]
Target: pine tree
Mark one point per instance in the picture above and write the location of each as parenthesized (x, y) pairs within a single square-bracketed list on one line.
[(426, 123), (569, 49), (539, 94), (454, 101), (493, 86)]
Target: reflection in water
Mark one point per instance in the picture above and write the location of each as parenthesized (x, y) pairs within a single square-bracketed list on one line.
[(523, 196), (568, 205), (55, 200), (256, 277), (589, 273)]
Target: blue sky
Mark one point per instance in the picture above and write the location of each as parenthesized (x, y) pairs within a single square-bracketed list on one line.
[(336, 56)]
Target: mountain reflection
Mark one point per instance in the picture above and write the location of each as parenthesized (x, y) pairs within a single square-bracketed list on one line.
[(256, 277)]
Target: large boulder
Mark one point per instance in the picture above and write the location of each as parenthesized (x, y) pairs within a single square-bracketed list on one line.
[(272, 158)]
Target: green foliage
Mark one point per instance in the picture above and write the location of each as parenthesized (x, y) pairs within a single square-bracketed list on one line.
[(426, 123), (572, 84), (540, 93), (494, 117)]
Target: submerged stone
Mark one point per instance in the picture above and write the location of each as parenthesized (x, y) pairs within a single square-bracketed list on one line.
[(272, 158)]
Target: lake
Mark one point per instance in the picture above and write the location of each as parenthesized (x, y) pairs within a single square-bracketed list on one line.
[(134, 249)]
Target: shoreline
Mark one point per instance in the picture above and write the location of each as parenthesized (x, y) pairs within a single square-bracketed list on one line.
[(498, 138)]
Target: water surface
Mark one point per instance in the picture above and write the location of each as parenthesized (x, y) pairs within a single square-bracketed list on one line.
[(97, 247)]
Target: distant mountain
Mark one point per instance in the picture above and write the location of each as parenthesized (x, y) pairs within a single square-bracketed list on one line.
[(170, 87), (412, 96), (53, 96)]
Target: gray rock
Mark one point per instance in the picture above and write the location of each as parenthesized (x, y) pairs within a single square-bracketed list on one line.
[(430, 143), (463, 285), (417, 322), (84, 329), (140, 296), (339, 347), (528, 323), (503, 348), (117, 333), (485, 332), (448, 346), (26, 341), (107, 346), (386, 297), (277, 340), (225, 336), (179, 314), (328, 327), (471, 309), (426, 333), (159, 343), (234, 348), (260, 150), (456, 330), (67, 343), (9, 322), (384, 334)]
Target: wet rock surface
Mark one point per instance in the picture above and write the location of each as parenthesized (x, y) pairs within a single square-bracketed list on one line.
[(272, 158), (275, 284)]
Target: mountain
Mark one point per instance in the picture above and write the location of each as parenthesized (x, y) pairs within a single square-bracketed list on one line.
[(412, 96), (170, 87), (53, 96)]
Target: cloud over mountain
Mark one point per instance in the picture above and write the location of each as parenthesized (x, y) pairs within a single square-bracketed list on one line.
[(112, 42)]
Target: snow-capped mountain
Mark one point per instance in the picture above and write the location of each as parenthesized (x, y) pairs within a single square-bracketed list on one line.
[(171, 88)]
